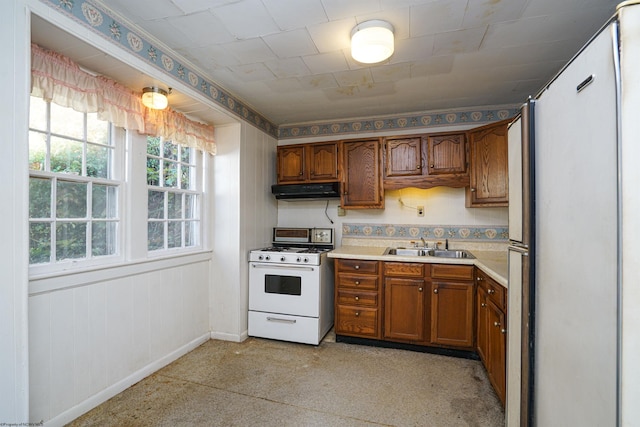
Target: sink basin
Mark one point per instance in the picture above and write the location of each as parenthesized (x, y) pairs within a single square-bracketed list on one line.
[(428, 252)]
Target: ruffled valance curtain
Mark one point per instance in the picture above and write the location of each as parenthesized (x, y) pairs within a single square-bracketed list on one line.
[(56, 78)]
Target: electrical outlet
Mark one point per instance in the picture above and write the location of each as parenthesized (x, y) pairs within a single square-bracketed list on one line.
[(341, 211), (420, 210)]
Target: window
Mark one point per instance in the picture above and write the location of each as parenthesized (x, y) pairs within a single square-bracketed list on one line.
[(73, 191), (174, 196)]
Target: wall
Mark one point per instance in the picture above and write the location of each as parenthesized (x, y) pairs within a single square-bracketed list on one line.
[(443, 205)]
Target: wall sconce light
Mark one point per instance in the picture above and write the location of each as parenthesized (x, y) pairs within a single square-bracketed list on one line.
[(154, 97), (372, 41)]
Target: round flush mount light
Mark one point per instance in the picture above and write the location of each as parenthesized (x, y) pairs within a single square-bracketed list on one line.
[(372, 41), (155, 98)]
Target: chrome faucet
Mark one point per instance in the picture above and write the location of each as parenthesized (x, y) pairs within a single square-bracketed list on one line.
[(446, 244), (424, 244)]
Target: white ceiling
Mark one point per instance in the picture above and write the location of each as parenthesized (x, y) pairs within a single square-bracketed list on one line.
[(290, 60)]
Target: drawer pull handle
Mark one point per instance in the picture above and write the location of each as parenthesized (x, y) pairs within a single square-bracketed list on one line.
[(357, 298), (479, 279), (503, 331), (277, 319), (491, 291), (496, 324), (483, 305)]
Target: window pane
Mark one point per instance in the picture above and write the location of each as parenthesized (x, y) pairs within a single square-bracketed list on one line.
[(71, 199), (190, 206), (155, 237), (66, 156), (67, 122), (170, 174), (37, 113), (186, 179), (37, 150), (39, 198), (71, 240), (97, 130), (103, 238), (185, 154), (99, 161), (175, 234), (153, 145), (39, 242), (104, 201), (190, 233), (174, 205), (170, 150), (153, 171), (156, 204)]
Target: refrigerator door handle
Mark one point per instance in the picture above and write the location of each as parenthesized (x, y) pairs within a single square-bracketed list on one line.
[(522, 249)]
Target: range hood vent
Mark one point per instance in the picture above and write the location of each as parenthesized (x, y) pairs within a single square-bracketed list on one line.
[(320, 191)]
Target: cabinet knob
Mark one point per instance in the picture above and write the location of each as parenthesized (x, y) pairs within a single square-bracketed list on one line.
[(300, 173), (479, 279), (357, 313), (435, 291), (419, 167), (491, 291), (420, 289), (473, 190), (357, 298), (357, 267), (503, 331), (483, 305), (357, 282), (496, 324), (431, 166)]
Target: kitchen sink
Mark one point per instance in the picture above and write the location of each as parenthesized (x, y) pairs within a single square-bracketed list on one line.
[(438, 253)]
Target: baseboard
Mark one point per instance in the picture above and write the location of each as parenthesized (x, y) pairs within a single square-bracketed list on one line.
[(107, 393), (223, 336)]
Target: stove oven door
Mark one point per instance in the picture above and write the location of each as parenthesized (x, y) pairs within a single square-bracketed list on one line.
[(284, 289)]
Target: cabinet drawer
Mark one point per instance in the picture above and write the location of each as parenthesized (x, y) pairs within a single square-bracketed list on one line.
[(353, 297), (357, 266), (359, 321), (357, 281), (451, 271), (495, 292), (404, 269)]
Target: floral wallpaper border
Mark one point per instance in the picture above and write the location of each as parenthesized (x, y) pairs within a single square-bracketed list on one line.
[(102, 22), (452, 232), (414, 120)]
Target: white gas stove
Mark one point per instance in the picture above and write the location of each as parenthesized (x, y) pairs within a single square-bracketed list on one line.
[(291, 286)]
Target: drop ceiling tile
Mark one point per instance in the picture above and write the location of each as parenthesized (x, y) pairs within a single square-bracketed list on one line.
[(280, 86), (252, 72), (250, 51), (142, 10), (437, 17), (306, 12), (173, 37), (432, 66), (456, 42), (318, 81), (190, 6), (341, 93), (543, 7), (481, 13), (209, 57), (202, 28), (332, 36), (246, 19), (339, 9), (413, 49), (398, 18), (290, 67), (360, 77), (390, 73), (291, 43), (326, 62)]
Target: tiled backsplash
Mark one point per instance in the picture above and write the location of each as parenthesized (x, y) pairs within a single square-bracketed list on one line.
[(495, 234)]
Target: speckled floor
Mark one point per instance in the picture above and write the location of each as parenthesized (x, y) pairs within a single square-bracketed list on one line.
[(271, 383)]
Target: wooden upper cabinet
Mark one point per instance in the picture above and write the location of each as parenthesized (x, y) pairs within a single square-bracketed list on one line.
[(489, 178), (447, 154), (404, 156), (362, 177), (317, 162)]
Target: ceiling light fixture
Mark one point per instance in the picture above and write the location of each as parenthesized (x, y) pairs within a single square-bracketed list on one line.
[(372, 41), (155, 98)]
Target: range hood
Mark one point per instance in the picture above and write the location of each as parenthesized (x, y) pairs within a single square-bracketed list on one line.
[(319, 191)]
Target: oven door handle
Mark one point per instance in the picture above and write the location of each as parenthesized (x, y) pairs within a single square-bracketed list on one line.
[(286, 267), (278, 319)]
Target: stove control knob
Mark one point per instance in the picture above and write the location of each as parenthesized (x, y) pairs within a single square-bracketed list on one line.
[(306, 260), (268, 257), (282, 259), (298, 259), (260, 257)]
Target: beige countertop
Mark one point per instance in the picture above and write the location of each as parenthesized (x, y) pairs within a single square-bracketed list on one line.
[(493, 263)]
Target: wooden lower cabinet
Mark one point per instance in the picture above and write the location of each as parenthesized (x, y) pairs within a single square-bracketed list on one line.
[(405, 287), (491, 331), (357, 299), (452, 314)]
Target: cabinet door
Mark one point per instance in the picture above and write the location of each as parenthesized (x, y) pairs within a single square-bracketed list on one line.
[(291, 164), (489, 180), (362, 177), (452, 314), (403, 157), (322, 162), (404, 309), (497, 350), (447, 154), (482, 325)]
